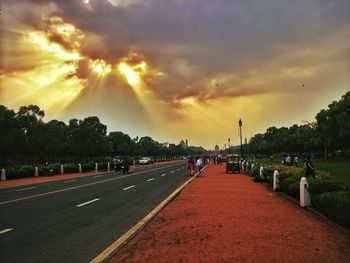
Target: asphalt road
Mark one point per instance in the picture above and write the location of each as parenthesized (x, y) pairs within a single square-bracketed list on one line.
[(74, 220)]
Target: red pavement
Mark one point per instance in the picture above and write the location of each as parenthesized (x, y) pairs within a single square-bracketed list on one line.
[(222, 217), (41, 179)]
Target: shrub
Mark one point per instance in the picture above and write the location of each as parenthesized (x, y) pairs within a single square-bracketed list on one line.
[(290, 185), (320, 186), (70, 168), (335, 205), (257, 179), (20, 172), (88, 167)]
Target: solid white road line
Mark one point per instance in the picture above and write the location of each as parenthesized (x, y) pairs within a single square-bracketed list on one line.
[(151, 179), (24, 189), (70, 181), (163, 175), (88, 202), (5, 231), (129, 187)]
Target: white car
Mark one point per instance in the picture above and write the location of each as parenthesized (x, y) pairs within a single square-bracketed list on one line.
[(145, 160)]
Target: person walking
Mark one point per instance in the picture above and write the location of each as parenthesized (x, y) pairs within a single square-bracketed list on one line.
[(199, 164), (190, 166), (309, 168), (296, 161)]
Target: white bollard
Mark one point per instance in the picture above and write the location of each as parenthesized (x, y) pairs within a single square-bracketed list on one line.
[(247, 167), (133, 162), (240, 164), (252, 167), (79, 168), (62, 170), (305, 199), (3, 175), (96, 167), (261, 172), (36, 171), (276, 182), (108, 167)]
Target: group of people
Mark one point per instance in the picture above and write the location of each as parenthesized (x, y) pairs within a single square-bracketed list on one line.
[(308, 166), (217, 159), (195, 165), (290, 160)]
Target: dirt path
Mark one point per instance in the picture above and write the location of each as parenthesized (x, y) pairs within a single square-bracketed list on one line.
[(228, 218)]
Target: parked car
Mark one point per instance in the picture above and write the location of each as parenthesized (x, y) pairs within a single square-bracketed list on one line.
[(146, 160)]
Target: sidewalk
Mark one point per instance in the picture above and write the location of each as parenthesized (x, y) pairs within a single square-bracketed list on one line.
[(223, 217)]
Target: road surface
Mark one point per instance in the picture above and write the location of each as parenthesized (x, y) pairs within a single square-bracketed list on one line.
[(74, 220)]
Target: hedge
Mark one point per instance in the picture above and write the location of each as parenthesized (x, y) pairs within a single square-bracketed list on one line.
[(335, 205), (328, 196)]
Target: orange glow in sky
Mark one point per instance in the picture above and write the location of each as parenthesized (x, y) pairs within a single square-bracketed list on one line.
[(186, 78)]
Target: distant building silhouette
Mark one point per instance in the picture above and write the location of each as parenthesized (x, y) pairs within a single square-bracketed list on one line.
[(184, 144)]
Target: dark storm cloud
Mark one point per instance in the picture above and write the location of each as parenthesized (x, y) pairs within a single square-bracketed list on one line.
[(208, 37)]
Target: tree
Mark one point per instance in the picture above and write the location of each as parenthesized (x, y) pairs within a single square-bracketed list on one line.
[(12, 137)]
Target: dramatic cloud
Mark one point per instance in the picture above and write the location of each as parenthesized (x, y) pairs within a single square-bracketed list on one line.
[(158, 66)]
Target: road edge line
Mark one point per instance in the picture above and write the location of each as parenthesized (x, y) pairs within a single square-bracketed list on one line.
[(110, 251)]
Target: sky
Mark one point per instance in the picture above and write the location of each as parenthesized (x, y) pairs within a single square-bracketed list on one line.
[(176, 69)]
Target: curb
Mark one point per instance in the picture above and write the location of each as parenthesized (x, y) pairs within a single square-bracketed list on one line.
[(109, 252)]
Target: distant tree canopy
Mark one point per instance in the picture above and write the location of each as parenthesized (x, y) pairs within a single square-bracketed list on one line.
[(26, 138), (330, 133)]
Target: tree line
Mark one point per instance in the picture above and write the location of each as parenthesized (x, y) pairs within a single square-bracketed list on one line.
[(26, 138), (330, 133)]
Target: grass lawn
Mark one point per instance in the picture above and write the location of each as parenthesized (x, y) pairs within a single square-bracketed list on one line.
[(338, 169)]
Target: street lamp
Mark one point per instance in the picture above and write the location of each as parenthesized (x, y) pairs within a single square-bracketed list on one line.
[(240, 135)]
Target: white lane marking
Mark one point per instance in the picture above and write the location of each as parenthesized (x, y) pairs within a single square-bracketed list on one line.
[(70, 181), (179, 169), (172, 172), (5, 231), (150, 179), (24, 189), (97, 176), (163, 175), (88, 202), (129, 187)]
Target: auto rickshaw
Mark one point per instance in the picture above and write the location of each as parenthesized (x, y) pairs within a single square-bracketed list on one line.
[(232, 163)]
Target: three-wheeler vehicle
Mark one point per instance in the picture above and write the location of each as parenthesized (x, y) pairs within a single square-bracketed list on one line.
[(232, 163)]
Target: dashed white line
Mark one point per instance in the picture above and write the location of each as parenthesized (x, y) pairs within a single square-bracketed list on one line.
[(151, 179), (24, 189), (88, 202), (179, 169), (163, 175), (129, 187), (97, 176), (5, 231), (70, 181), (172, 172)]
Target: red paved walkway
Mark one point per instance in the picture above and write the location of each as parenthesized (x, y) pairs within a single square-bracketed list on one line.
[(229, 218)]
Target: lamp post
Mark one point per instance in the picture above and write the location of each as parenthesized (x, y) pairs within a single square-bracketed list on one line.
[(240, 135), (229, 145)]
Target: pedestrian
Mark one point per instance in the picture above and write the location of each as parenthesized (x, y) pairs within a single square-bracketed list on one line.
[(309, 168), (288, 160), (190, 166), (199, 164), (296, 161)]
